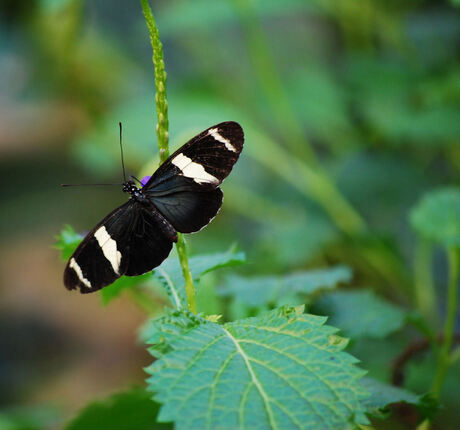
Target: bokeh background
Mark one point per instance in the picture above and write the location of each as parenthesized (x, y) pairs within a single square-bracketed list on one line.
[(351, 113)]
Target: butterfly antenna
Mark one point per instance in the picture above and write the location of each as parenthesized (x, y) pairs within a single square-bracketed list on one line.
[(133, 177), (84, 185), (122, 165), (121, 151)]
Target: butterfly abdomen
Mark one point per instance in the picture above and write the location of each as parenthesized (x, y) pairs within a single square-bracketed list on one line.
[(165, 226)]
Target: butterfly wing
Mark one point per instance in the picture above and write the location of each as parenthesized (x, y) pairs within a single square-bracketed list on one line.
[(189, 210), (128, 241), (185, 188), (148, 244)]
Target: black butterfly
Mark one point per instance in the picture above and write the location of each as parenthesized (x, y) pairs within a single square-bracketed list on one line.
[(183, 195)]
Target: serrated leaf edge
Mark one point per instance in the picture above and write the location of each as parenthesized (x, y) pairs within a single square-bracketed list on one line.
[(171, 286)]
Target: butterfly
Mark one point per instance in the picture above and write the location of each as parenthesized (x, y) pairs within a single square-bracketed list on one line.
[(182, 195)]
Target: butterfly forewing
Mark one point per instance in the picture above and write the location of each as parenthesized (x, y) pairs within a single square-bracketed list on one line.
[(98, 260), (208, 158), (185, 187)]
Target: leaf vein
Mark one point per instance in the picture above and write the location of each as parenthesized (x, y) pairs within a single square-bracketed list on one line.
[(302, 364), (285, 333), (254, 379), (215, 381), (195, 359), (288, 382)]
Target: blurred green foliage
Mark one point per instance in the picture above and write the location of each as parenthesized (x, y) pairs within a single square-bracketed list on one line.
[(351, 115), (377, 318)]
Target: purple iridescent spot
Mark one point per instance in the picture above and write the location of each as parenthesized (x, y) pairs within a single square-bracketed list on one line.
[(144, 180)]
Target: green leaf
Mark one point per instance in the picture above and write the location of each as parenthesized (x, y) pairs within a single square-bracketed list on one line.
[(162, 331), (174, 289), (254, 292), (260, 291), (202, 264), (169, 274), (309, 282), (112, 291), (67, 241), (437, 216), (283, 370), (360, 313), (133, 410), (208, 302), (382, 395)]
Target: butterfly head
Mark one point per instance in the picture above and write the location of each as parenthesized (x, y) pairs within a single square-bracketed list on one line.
[(130, 187)]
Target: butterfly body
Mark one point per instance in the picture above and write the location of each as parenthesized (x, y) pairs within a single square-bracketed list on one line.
[(183, 195), (139, 197)]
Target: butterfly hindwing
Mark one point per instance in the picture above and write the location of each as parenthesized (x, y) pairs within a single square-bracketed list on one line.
[(185, 187), (189, 211)]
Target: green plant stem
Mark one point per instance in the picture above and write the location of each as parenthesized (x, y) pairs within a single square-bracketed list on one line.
[(163, 136), (181, 248), (160, 82), (452, 293)]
